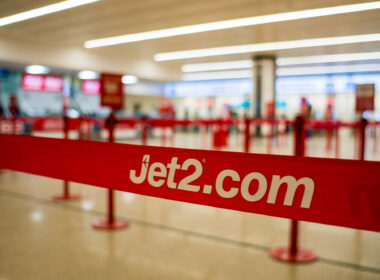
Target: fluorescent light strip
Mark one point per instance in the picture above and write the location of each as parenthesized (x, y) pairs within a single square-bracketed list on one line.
[(220, 75), (267, 47), (44, 11), (328, 69), (282, 61), (299, 71), (226, 65), (327, 58), (228, 24)]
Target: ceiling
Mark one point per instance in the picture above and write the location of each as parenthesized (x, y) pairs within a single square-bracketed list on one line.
[(57, 39)]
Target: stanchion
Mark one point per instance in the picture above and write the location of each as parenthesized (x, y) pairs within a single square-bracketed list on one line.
[(172, 135), (293, 253), (270, 138), (329, 136), (375, 138), (14, 125), (111, 222), (247, 135), (144, 131), (204, 131), (66, 188), (337, 147), (163, 136), (362, 136)]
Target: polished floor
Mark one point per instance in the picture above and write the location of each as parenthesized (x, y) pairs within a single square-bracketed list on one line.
[(44, 239)]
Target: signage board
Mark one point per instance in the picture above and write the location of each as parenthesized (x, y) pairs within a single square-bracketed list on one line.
[(365, 97), (111, 90), (31, 82), (91, 87)]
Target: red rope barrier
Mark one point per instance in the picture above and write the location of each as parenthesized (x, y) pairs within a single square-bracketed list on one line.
[(330, 191)]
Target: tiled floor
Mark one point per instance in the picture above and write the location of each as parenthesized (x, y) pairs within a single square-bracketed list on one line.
[(43, 239)]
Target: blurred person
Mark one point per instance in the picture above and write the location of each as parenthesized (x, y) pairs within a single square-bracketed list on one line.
[(13, 106), (166, 109)]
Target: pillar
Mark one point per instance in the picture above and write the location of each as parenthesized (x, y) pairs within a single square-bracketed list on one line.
[(264, 90)]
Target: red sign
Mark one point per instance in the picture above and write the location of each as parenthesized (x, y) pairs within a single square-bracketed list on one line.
[(365, 97), (329, 191), (270, 109), (41, 83), (32, 82), (53, 84), (111, 89), (91, 87)]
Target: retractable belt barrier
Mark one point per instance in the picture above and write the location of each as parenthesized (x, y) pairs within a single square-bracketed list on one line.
[(329, 191)]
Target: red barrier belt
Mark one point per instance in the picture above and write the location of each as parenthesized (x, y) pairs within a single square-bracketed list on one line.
[(330, 191)]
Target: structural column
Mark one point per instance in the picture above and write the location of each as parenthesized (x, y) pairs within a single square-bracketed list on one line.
[(264, 90)]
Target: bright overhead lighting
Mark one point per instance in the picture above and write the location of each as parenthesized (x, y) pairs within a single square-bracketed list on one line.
[(227, 24), (88, 75), (129, 79), (37, 69), (316, 70), (49, 9), (225, 65), (327, 58), (219, 75), (267, 47), (282, 61), (296, 71)]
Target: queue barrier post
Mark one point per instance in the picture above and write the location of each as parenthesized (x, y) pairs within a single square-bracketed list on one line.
[(163, 135), (337, 146), (204, 134), (144, 131), (172, 134), (111, 222), (66, 195), (329, 136), (247, 135), (270, 137), (362, 136), (293, 253), (375, 138)]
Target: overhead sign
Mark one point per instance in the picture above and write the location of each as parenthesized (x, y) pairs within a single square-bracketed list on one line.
[(53, 84), (329, 191), (91, 87), (32, 82), (365, 97), (42, 83), (111, 90)]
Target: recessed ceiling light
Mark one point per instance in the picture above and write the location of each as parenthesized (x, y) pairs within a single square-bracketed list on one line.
[(227, 24), (129, 79), (284, 45), (37, 69), (88, 75)]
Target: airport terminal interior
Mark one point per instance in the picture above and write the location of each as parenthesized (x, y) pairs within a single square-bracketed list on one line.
[(250, 85)]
